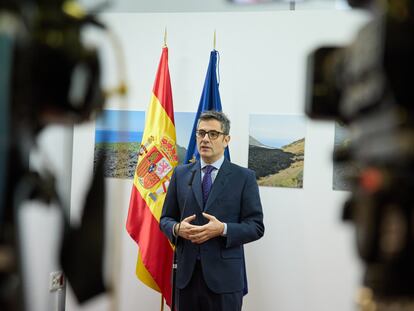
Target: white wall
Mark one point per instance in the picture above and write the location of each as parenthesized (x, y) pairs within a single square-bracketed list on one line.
[(306, 260)]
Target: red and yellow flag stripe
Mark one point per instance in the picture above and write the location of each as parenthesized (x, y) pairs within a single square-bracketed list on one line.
[(156, 161)]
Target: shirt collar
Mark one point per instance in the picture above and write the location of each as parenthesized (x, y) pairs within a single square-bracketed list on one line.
[(216, 164)]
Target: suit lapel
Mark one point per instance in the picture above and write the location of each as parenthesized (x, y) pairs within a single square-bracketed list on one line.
[(196, 186), (219, 183)]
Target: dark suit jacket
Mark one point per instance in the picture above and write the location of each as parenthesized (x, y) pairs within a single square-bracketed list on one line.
[(234, 199)]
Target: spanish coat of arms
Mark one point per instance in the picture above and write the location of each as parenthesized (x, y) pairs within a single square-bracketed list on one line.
[(155, 162)]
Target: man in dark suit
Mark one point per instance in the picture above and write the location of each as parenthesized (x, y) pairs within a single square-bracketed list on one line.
[(219, 207)]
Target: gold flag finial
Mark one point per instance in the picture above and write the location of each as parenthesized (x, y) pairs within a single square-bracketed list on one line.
[(165, 37), (214, 40)]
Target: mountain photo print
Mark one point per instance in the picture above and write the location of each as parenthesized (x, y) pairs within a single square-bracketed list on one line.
[(277, 149)]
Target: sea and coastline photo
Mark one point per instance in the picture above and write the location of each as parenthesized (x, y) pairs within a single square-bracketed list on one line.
[(118, 135)]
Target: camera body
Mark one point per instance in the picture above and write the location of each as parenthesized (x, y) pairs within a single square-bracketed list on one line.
[(53, 78), (368, 87), (48, 76)]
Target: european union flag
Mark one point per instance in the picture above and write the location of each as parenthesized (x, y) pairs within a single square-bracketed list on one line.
[(210, 100)]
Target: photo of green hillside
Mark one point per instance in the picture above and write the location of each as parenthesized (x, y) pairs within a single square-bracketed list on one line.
[(277, 150)]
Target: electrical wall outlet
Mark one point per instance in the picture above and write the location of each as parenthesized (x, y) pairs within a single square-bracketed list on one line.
[(57, 281)]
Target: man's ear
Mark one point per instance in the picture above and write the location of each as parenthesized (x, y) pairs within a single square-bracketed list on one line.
[(227, 139)]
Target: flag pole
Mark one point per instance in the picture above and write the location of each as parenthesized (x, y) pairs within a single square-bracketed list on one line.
[(214, 40), (165, 45), (165, 36), (162, 303)]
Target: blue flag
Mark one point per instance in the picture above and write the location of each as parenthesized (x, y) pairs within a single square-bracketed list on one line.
[(210, 100)]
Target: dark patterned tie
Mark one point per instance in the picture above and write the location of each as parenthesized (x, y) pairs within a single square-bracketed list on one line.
[(207, 182)]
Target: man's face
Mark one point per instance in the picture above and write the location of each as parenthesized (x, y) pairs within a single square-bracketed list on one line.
[(211, 150)]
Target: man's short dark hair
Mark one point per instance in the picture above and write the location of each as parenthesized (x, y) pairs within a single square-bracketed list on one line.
[(216, 115)]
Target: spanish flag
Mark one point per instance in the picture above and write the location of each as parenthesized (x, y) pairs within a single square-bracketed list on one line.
[(156, 161)]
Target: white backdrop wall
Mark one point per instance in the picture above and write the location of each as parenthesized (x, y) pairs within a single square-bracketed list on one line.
[(306, 260)]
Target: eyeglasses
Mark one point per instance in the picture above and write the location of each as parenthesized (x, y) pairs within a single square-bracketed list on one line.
[(211, 134)]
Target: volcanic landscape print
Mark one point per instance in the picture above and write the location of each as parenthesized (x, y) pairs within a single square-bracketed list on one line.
[(277, 149)]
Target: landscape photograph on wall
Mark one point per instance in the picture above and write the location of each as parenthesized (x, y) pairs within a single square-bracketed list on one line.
[(184, 122), (118, 135), (277, 149), (342, 170)]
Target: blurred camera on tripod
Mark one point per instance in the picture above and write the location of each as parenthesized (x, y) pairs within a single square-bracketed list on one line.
[(368, 87)]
